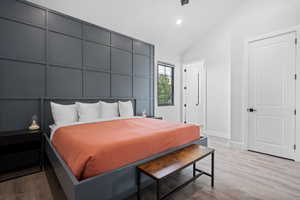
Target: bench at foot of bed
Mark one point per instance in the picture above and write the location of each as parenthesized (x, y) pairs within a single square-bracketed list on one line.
[(167, 165)]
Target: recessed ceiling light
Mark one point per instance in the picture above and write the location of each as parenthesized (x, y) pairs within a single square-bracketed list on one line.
[(183, 2), (179, 21)]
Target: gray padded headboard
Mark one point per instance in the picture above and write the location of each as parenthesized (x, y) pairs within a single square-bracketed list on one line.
[(47, 54)]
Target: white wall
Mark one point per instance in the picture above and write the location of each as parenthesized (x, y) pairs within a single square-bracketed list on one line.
[(214, 50), (223, 50), (172, 113)]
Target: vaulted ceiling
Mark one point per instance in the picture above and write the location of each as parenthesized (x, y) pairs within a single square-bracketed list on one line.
[(151, 20)]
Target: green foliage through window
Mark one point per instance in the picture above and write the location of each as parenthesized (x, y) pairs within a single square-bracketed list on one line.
[(165, 85)]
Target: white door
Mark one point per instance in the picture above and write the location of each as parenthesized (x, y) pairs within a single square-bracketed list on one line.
[(271, 126), (194, 93)]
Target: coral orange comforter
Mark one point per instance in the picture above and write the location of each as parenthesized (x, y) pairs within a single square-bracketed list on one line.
[(94, 148)]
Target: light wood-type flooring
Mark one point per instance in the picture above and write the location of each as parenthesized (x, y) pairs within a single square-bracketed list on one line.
[(239, 175)]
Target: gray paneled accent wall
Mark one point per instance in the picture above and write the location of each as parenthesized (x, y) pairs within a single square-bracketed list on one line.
[(44, 53)]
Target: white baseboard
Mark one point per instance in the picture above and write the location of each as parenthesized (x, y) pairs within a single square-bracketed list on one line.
[(217, 134), (239, 145), (226, 138)]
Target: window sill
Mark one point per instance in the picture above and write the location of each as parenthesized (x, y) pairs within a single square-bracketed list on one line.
[(166, 105)]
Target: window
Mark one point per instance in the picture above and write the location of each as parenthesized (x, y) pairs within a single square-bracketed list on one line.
[(165, 84)]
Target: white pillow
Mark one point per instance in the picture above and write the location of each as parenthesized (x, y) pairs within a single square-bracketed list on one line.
[(88, 111), (125, 109), (64, 113), (108, 110)]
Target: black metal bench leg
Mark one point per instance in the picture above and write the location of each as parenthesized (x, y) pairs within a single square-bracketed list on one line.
[(157, 190), (194, 169), (138, 185), (212, 169)]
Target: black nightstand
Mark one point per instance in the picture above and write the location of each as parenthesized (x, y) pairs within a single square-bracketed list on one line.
[(154, 117), (21, 153)]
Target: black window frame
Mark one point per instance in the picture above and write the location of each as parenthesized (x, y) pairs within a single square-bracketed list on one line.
[(163, 64)]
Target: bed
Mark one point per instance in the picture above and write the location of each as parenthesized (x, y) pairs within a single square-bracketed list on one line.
[(109, 181)]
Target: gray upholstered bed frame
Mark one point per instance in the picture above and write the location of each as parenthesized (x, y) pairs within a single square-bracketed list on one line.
[(113, 185)]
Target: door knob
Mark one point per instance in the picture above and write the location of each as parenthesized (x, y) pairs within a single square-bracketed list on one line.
[(251, 110)]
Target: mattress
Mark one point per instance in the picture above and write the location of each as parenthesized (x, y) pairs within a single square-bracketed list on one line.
[(93, 148)]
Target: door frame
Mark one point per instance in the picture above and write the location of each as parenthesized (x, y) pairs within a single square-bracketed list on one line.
[(296, 29), (204, 126)]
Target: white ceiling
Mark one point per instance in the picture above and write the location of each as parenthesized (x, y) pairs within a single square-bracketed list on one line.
[(153, 21)]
